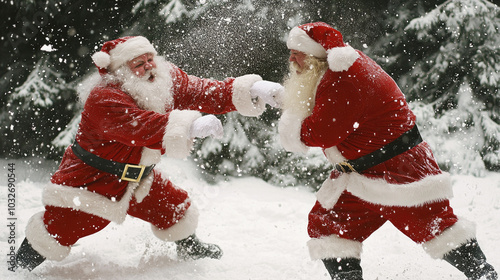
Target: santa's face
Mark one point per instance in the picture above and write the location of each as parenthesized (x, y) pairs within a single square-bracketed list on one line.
[(142, 65), (299, 59), (151, 94)]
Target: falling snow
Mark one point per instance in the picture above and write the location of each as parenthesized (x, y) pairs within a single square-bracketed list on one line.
[(445, 58)]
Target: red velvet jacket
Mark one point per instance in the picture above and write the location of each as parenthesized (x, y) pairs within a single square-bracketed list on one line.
[(356, 112), (114, 127)]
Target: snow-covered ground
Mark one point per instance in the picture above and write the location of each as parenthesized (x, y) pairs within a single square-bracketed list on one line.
[(260, 227)]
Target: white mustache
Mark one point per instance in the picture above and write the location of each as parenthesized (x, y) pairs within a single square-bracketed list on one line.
[(148, 74)]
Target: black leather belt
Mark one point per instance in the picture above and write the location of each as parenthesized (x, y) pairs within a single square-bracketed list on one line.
[(125, 171), (403, 143)]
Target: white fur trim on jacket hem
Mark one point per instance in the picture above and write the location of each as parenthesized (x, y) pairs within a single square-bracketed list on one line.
[(141, 189), (182, 229), (378, 191), (333, 155), (341, 58), (41, 240), (88, 202), (242, 99), (177, 141), (289, 128), (453, 237), (329, 247), (148, 157)]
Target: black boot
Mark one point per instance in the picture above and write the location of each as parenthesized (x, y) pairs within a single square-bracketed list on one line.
[(470, 260), (191, 248), (344, 268), (27, 257)]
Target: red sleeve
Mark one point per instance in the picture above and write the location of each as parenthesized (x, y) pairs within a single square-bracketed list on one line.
[(204, 95), (336, 114)]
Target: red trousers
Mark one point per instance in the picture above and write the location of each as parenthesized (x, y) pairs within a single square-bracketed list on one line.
[(354, 219), (162, 207)]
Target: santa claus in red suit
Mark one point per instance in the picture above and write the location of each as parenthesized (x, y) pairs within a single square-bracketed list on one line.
[(340, 100), (141, 108)]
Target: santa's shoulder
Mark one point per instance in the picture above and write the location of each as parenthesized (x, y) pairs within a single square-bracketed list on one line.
[(108, 93)]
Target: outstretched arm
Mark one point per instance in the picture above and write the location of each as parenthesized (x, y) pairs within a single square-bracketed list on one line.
[(216, 97)]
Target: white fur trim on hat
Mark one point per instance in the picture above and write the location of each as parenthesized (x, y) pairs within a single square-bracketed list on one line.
[(41, 240), (101, 59), (242, 99), (177, 141), (329, 247), (123, 52), (129, 50), (341, 58), (451, 238), (300, 41), (182, 229)]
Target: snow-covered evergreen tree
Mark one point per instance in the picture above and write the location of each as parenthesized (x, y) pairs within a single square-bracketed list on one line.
[(36, 111), (47, 47), (441, 59)]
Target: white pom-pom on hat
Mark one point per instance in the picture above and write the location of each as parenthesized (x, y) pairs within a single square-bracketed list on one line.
[(101, 59), (341, 58)]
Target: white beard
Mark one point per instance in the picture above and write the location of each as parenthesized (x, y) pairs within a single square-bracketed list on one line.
[(300, 91), (155, 96), (84, 87)]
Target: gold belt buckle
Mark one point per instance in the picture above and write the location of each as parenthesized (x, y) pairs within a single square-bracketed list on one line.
[(345, 163), (142, 167)]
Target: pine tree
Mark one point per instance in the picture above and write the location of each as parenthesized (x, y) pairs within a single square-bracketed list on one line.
[(48, 46), (36, 111), (442, 58)]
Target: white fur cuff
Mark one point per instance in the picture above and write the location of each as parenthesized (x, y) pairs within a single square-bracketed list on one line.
[(452, 238), (182, 229), (41, 240), (177, 141), (242, 98), (329, 247)]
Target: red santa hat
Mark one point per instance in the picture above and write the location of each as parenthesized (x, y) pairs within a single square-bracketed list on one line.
[(117, 52), (323, 41)]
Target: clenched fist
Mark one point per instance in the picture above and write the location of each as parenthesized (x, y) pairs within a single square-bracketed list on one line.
[(206, 126)]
